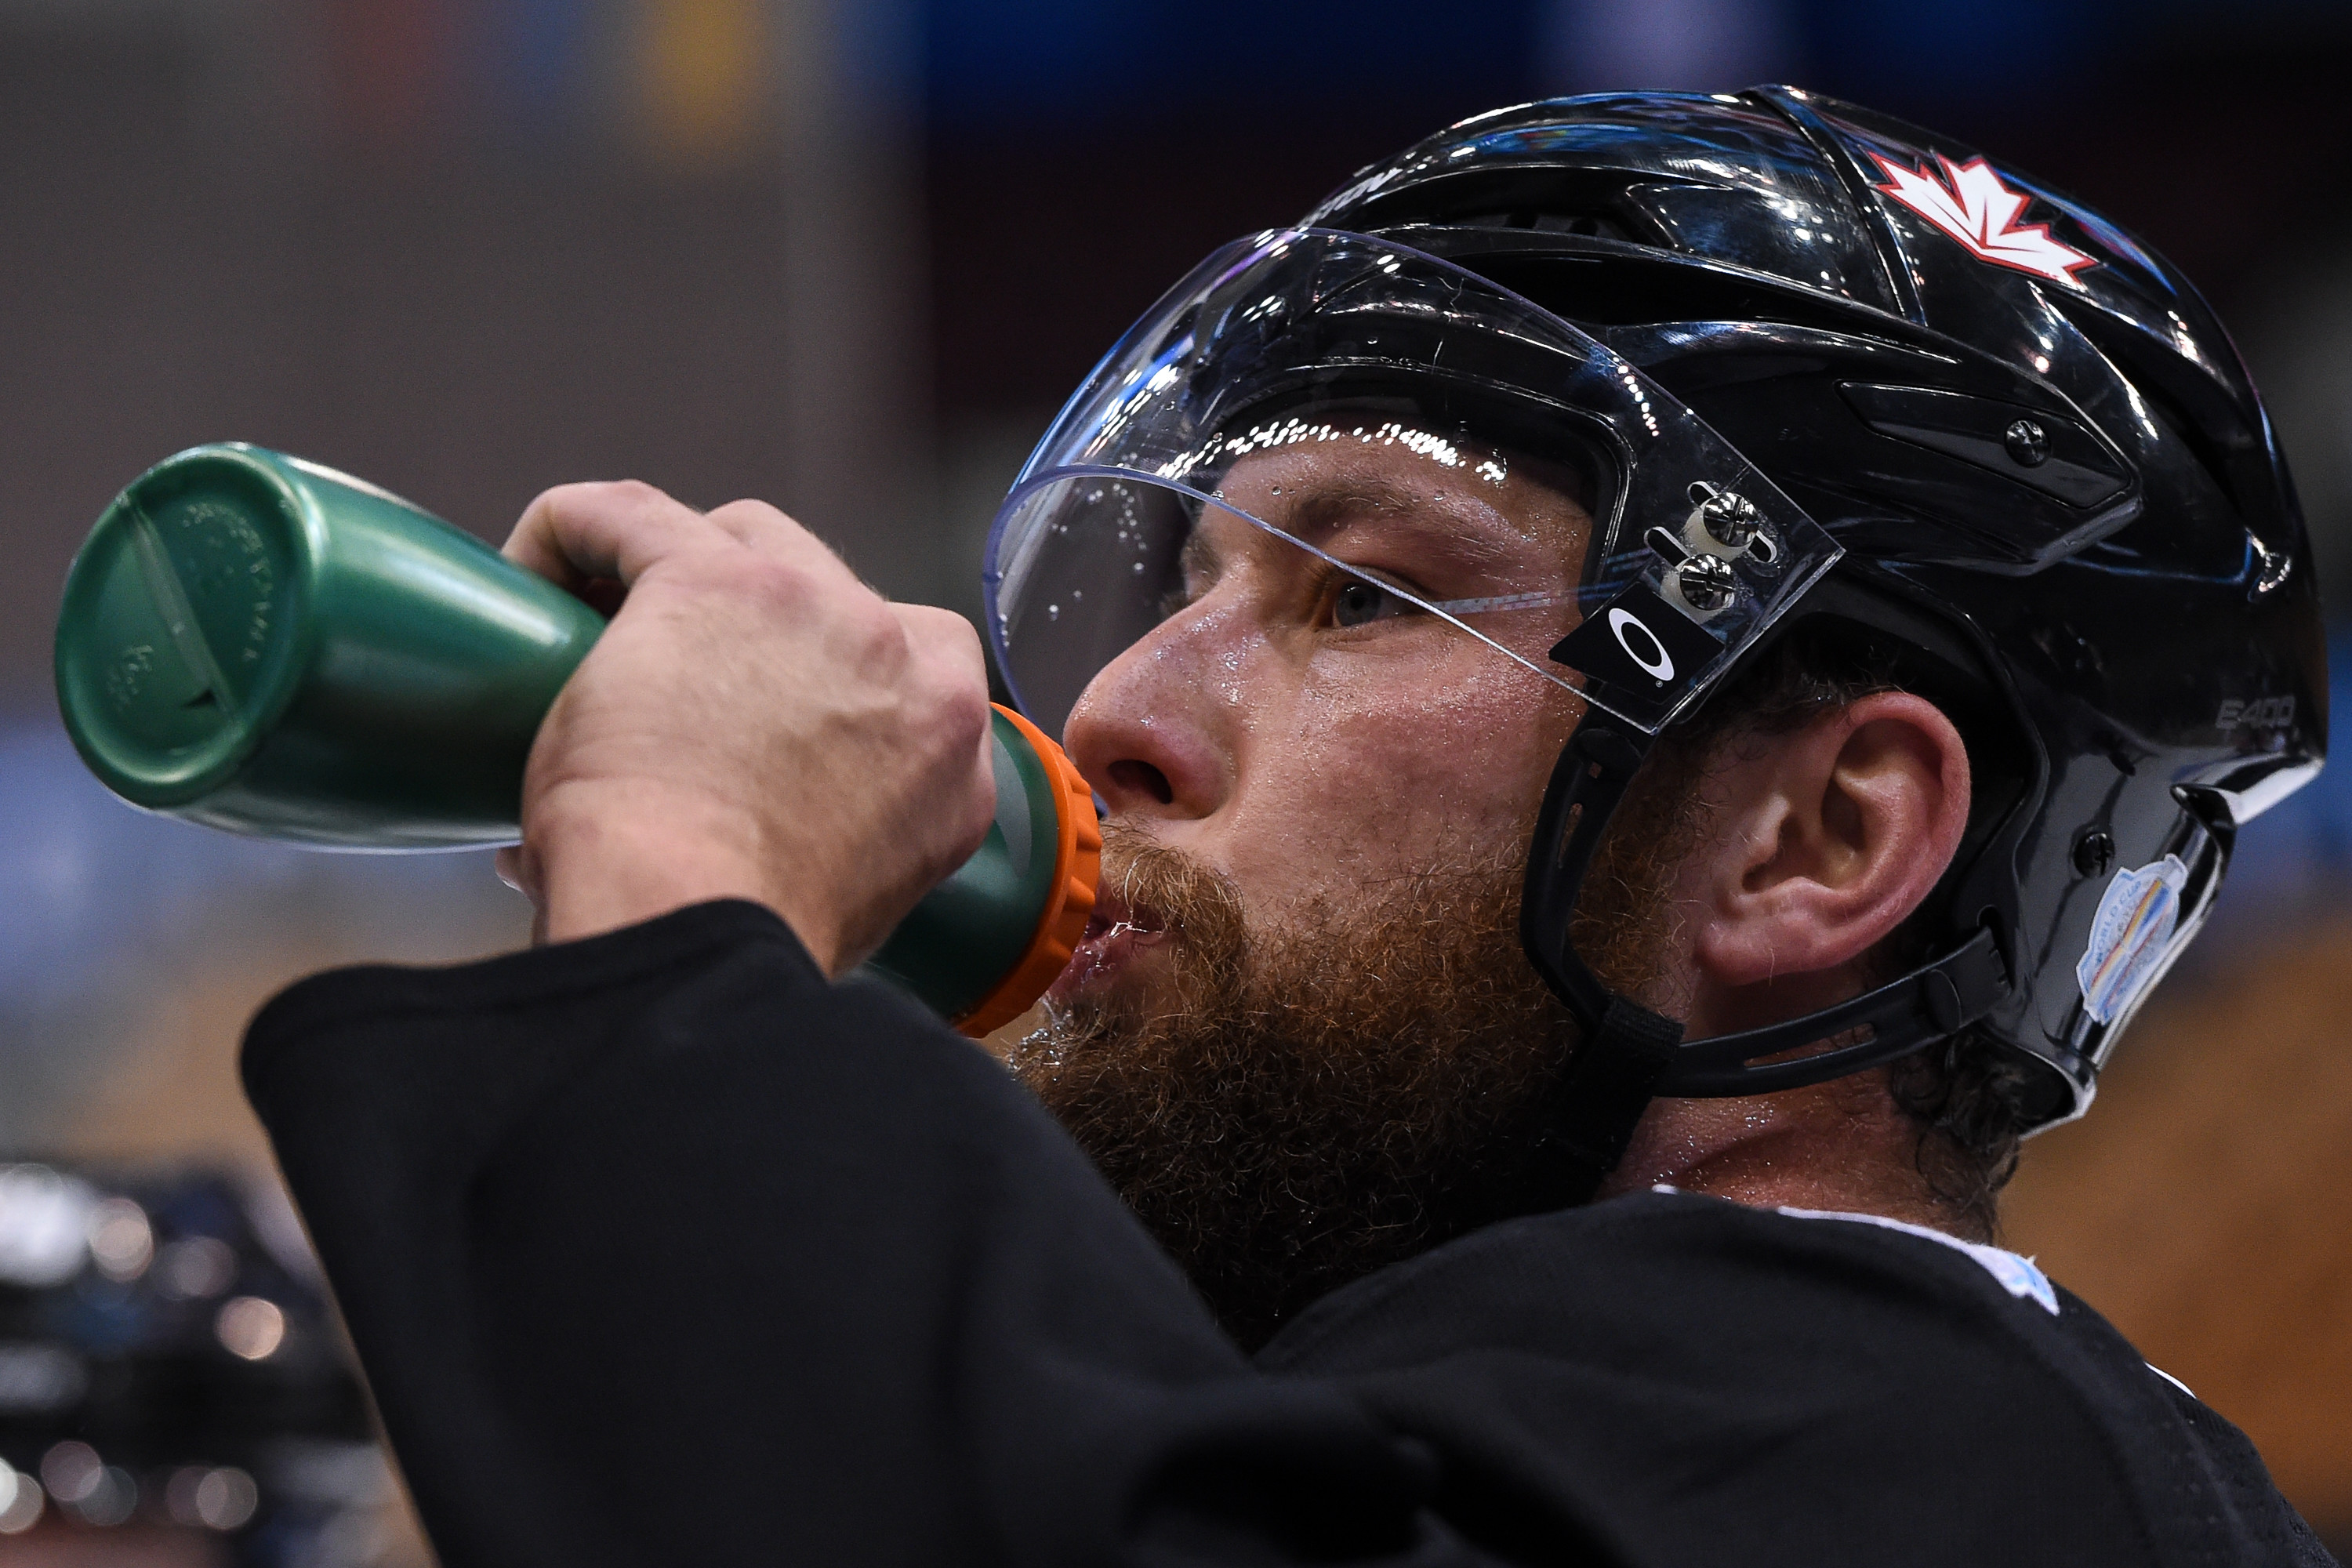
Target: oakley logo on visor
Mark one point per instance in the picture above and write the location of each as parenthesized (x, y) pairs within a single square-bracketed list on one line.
[(1641, 644), (1638, 641)]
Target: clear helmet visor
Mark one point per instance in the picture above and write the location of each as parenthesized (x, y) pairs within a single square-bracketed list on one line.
[(1432, 443)]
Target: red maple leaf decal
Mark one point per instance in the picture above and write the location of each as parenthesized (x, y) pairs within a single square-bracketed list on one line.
[(1971, 204)]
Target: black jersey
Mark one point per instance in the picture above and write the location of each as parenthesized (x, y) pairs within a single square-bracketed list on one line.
[(657, 1247)]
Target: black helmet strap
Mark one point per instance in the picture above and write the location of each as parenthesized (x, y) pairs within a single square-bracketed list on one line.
[(1630, 1054)]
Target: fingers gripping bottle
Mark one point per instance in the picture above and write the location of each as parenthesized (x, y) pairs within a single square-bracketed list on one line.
[(262, 645)]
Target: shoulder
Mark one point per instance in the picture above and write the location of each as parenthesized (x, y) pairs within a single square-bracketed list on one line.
[(1688, 1367), (1741, 1279), (1868, 1325)]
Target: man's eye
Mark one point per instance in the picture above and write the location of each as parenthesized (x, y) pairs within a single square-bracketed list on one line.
[(1359, 602)]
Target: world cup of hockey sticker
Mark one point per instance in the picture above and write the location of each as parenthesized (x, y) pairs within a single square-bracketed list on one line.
[(2128, 935)]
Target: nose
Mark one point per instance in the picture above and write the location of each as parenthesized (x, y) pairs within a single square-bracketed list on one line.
[(1150, 734)]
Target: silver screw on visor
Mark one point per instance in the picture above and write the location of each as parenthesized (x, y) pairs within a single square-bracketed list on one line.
[(1727, 517)]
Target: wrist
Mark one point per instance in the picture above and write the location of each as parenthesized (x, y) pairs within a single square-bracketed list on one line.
[(630, 856)]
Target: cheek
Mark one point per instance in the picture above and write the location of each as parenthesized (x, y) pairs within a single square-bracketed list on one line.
[(1446, 758)]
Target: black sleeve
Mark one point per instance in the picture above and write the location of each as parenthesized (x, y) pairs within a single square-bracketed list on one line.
[(659, 1249)]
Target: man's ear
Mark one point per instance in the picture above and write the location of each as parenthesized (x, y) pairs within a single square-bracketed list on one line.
[(1826, 838)]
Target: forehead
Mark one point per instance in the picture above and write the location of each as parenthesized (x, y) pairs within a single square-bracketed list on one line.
[(1414, 491)]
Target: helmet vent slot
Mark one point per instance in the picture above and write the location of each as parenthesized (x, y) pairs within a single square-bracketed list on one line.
[(2064, 462)]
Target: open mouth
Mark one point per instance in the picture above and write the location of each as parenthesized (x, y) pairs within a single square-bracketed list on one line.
[(1117, 934)]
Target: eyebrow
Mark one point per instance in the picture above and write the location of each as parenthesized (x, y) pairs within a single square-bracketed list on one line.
[(1327, 507), (1330, 507), (1474, 533)]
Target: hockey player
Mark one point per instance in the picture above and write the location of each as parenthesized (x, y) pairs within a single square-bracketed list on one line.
[(1666, 672)]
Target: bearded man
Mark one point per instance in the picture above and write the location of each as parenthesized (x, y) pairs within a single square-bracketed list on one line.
[(1623, 666)]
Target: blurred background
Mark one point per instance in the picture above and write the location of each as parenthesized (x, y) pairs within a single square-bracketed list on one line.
[(847, 256)]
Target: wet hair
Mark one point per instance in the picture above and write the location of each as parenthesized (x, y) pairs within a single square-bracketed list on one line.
[(1970, 1096)]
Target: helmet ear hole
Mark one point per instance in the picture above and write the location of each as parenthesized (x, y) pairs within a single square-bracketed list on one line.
[(1852, 637)]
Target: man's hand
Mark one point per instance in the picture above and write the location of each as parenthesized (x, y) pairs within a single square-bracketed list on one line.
[(756, 723)]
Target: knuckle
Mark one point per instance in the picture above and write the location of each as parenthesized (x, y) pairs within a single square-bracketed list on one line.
[(769, 592), (875, 631), (964, 706), (601, 501), (634, 492), (550, 507), (943, 638), (752, 511), (764, 577), (586, 495)]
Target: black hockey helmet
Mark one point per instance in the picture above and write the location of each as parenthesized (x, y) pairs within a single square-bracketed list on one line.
[(1972, 421)]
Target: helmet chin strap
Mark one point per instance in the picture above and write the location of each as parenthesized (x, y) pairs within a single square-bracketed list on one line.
[(1630, 1054)]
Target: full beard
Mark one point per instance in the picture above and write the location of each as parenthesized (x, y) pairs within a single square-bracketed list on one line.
[(1289, 1108)]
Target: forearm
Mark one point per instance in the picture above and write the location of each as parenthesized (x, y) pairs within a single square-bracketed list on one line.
[(667, 1203)]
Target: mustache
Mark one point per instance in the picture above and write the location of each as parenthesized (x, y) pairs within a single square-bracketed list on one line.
[(1153, 887)]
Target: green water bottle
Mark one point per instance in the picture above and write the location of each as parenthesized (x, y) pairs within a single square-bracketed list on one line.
[(259, 643)]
